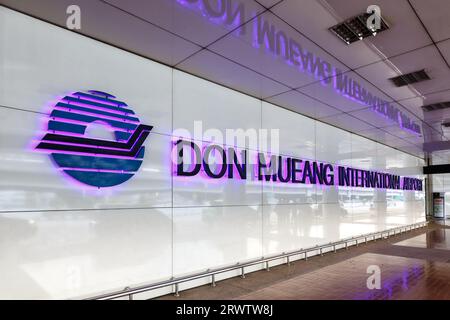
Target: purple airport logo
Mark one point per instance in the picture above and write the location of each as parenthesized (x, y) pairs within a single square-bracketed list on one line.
[(98, 162)]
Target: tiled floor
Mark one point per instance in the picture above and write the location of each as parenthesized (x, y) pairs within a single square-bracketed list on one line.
[(436, 239), (401, 278), (414, 265)]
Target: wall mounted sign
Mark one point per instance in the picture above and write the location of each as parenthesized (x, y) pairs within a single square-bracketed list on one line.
[(218, 162), (95, 162), (275, 41), (107, 163)]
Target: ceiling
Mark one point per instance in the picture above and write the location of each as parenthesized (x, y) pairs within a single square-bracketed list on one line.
[(179, 35)]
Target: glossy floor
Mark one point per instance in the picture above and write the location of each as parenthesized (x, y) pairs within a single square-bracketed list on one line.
[(414, 265)]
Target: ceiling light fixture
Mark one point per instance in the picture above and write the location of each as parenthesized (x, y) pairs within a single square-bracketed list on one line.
[(410, 78), (436, 106), (355, 28)]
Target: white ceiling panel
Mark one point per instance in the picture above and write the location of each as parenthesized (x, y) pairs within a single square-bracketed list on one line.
[(435, 15), (370, 116), (347, 122), (110, 25), (247, 51), (302, 104), (405, 33), (416, 95), (415, 105), (427, 58), (329, 95), (383, 137), (438, 96), (315, 26), (268, 3), (420, 140), (437, 116), (377, 134), (399, 132), (379, 74), (444, 47), (399, 143), (189, 20), (413, 149), (431, 130), (209, 65), (416, 140)]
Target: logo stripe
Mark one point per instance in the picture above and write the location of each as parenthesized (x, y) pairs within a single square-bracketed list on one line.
[(89, 119), (100, 163), (97, 98), (99, 179), (95, 150), (98, 142), (98, 105), (95, 111), (66, 127)]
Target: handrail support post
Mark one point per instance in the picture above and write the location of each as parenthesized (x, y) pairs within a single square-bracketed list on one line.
[(177, 292)]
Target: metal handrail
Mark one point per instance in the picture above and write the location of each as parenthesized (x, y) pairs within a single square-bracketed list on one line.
[(130, 292)]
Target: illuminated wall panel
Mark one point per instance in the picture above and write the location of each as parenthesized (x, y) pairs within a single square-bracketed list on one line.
[(62, 240)]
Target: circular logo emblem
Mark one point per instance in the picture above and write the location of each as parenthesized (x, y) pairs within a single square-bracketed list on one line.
[(93, 160)]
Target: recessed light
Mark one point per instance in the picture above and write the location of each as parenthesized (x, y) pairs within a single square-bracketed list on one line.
[(410, 78), (355, 28), (436, 106)]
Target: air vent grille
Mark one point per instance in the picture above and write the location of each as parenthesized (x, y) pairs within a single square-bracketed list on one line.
[(410, 78), (355, 28), (446, 124), (436, 106)]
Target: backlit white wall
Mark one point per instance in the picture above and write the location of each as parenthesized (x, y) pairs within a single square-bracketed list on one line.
[(61, 241)]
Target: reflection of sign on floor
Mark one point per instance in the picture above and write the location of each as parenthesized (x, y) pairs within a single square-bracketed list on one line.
[(438, 205)]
